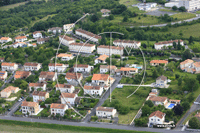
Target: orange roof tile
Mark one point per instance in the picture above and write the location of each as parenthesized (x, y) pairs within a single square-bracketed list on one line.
[(108, 109), (187, 61), (159, 61), (102, 57), (68, 95), (20, 37), (57, 106), (86, 87), (110, 47), (158, 114), (9, 88), (83, 44), (29, 104), (160, 99), (89, 33), (7, 64), (4, 38), (22, 74), (100, 77), (127, 69), (64, 55), (73, 75), (66, 38)]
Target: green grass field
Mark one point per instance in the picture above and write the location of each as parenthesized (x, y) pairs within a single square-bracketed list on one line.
[(129, 2), (167, 10), (7, 7), (183, 16), (43, 19)]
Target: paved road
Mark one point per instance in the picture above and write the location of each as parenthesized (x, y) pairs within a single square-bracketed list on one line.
[(110, 126), (104, 97), (150, 85), (7, 81)]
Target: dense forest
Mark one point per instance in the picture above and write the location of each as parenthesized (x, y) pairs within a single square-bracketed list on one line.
[(8, 2)]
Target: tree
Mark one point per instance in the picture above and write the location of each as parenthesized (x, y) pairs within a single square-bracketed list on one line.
[(111, 17), (198, 77), (179, 45), (191, 84), (155, 74), (194, 123), (178, 110), (146, 110), (186, 55), (182, 9), (142, 121), (103, 40), (149, 103), (125, 19), (179, 81), (30, 79), (191, 40), (177, 76), (185, 105), (174, 8)]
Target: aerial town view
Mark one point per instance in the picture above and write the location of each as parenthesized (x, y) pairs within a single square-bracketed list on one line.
[(99, 66)]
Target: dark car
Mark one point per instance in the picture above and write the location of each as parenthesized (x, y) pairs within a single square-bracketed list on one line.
[(22, 97), (9, 109)]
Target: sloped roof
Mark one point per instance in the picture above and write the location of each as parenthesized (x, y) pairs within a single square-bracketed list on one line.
[(157, 114)]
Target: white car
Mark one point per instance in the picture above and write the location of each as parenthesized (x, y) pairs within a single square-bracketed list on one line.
[(20, 100)]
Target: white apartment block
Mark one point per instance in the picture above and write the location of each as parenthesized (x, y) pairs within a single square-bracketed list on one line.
[(39, 96), (32, 66), (65, 88), (5, 66), (157, 117), (82, 47), (20, 39), (105, 112), (68, 98), (190, 5), (57, 67), (5, 39), (93, 90), (65, 57), (127, 43), (58, 109), (88, 35), (82, 68), (161, 45), (37, 34), (110, 50), (65, 40)]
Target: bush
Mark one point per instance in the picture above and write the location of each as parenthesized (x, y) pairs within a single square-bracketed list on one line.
[(94, 118)]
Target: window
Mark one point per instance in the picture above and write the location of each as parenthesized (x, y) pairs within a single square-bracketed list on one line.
[(158, 119)]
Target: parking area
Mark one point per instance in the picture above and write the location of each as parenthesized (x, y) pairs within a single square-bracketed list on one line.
[(157, 12)]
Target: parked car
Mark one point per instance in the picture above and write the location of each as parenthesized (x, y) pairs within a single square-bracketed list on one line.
[(22, 97), (9, 109), (20, 100)]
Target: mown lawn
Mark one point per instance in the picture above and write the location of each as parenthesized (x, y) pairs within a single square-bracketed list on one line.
[(129, 2), (7, 7), (183, 16), (168, 10)]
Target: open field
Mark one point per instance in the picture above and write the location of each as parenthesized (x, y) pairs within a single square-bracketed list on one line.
[(7, 7), (134, 102), (167, 10), (30, 127), (43, 19), (183, 16), (129, 2)]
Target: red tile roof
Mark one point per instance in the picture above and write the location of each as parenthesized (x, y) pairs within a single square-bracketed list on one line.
[(57, 106), (100, 77), (157, 114)]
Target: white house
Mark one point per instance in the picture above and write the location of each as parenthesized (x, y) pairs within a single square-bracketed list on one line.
[(66, 40), (158, 62), (5, 39), (161, 45), (102, 79), (105, 12), (127, 71), (3, 75), (57, 67), (186, 64), (65, 57), (47, 76), (32, 108), (5, 66), (82, 68), (127, 43), (18, 44), (82, 47), (37, 85), (68, 28), (20, 39), (105, 112), (93, 90), (161, 81), (32, 66), (146, 6), (55, 30), (158, 100), (68, 98), (109, 50), (157, 117), (37, 34), (39, 96), (42, 40), (87, 35), (101, 59), (58, 109), (73, 77), (196, 67), (107, 68), (65, 88)]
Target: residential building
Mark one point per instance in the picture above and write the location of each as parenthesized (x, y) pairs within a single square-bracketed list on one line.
[(158, 100), (127, 43), (30, 66), (93, 90), (3, 75), (32, 108), (65, 57), (158, 62), (39, 96), (37, 86), (42, 40), (5, 39), (82, 47), (58, 109), (107, 68), (161, 45), (68, 98), (87, 35), (7, 91), (105, 112), (5, 66), (161, 81), (1, 59), (65, 88), (102, 79), (110, 50), (22, 74), (65, 40), (68, 28), (105, 12), (101, 59), (82, 68), (55, 30), (34, 45), (190, 66), (57, 67), (196, 67), (190, 5), (157, 117), (174, 101), (47, 76), (73, 77), (127, 71), (37, 34), (186, 64), (18, 44), (146, 6), (20, 39)]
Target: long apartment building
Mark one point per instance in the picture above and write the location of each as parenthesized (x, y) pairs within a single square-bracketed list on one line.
[(160, 45), (81, 47), (5, 66), (127, 43), (109, 50), (87, 35), (32, 66), (66, 40)]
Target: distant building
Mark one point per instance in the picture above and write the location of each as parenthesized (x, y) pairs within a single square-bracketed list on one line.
[(58, 109), (73, 77), (93, 90), (158, 100), (22, 74), (47, 76), (110, 50), (7, 91), (161, 45), (37, 34), (65, 57), (3, 75), (65, 88), (55, 30), (158, 62), (42, 40), (57, 67), (20, 39), (29, 66), (82, 47), (190, 66), (18, 44), (82, 68), (146, 6), (37, 86), (157, 117), (68, 97), (68, 28), (107, 68), (105, 112), (5, 66), (39, 96), (105, 12), (88, 35), (66, 40), (5, 39), (161, 81), (127, 71), (102, 79), (127, 43), (101, 59)]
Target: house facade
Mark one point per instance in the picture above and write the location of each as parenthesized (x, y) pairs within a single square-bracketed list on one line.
[(158, 62), (161, 45), (37, 34), (105, 112), (47, 76), (110, 50), (87, 35), (101, 59), (102, 79), (68, 98), (68, 28), (65, 40), (127, 71), (82, 47), (82, 68), (5, 93), (158, 100), (157, 117), (127, 43), (20, 39), (65, 88), (37, 86), (22, 74), (5, 66), (39, 96), (65, 57), (73, 77), (93, 90), (32, 108), (42, 40), (3, 75), (32, 66), (55, 30), (5, 39), (18, 44), (58, 109), (57, 67), (107, 68)]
